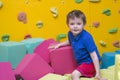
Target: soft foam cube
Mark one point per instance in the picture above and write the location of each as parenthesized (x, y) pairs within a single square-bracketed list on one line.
[(62, 60), (32, 43), (43, 51), (54, 77), (107, 73), (6, 72), (108, 59), (117, 67), (87, 78), (33, 67), (69, 76), (12, 52)]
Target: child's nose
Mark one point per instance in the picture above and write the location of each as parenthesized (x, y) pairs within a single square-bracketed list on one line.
[(75, 26)]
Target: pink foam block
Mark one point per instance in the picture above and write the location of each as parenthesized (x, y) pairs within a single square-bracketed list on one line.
[(62, 60), (43, 50), (33, 67), (6, 72)]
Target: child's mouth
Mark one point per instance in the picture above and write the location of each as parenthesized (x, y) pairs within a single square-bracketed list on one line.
[(75, 30)]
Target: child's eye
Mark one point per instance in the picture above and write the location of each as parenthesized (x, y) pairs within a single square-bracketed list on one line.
[(79, 23), (71, 23)]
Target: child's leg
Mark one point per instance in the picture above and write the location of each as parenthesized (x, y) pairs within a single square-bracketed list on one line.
[(76, 75), (84, 69)]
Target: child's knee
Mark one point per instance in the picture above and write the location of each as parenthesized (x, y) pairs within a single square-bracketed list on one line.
[(76, 73)]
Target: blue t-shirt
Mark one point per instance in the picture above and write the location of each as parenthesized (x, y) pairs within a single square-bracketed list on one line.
[(82, 44)]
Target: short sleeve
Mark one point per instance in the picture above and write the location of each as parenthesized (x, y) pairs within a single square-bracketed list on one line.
[(89, 44)]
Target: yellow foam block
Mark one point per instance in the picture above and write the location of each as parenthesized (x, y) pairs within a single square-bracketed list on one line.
[(107, 73), (117, 67), (88, 79), (51, 76), (111, 67), (69, 77)]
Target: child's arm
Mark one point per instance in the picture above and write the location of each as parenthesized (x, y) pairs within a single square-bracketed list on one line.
[(96, 64), (65, 43)]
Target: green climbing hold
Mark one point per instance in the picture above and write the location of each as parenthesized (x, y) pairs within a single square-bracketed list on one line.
[(39, 24), (113, 30), (107, 12), (1, 4), (5, 37), (94, 0), (78, 1), (60, 36)]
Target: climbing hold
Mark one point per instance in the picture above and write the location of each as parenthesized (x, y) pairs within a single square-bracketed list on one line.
[(27, 36), (63, 1), (39, 24), (118, 11), (78, 1), (96, 24), (27, 1), (113, 30), (107, 12), (5, 37), (115, 0), (54, 11), (1, 4), (116, 44), (94, 0), (60, 36), (102, 43), (22, 17)]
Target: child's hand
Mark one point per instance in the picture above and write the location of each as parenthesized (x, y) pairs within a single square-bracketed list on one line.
[(97, 76), (54, 46)]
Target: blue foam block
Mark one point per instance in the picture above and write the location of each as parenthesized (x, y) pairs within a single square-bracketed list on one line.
[(108, 59), (32, 43), (12, 52)]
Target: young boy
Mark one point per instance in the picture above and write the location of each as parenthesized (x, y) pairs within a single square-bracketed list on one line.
[(84, 48)]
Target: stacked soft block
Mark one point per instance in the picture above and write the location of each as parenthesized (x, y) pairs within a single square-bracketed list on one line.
[(33, 67), (54, 77), (108, 73), (117, 67), (31, 44), (43, 51), (108, 59), (12, 52), (62, 60), (6, 72)]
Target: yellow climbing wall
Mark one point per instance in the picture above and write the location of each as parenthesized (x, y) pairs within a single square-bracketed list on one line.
[(40, 10)]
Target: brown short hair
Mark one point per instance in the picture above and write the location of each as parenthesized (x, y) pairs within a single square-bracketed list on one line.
[(76, 13)]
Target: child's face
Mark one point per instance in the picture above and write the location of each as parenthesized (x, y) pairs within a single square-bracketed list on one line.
[(76, 25)]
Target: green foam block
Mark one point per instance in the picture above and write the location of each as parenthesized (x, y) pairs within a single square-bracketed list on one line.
[(12, 52), (32, 43)]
